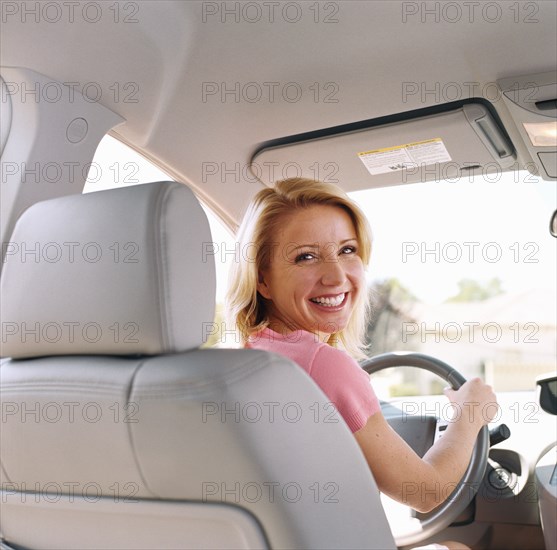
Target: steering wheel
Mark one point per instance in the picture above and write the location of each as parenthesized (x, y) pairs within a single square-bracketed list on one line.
[(458, 500)]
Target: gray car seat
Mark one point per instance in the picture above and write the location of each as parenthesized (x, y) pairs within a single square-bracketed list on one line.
[(118, 431)]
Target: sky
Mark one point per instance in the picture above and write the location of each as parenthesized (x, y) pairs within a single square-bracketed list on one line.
[(427, 235), (431, 235)]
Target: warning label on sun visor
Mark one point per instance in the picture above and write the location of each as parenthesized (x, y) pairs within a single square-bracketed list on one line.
[(403, 157)]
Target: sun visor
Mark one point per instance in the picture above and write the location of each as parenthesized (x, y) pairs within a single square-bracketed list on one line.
[(445, 142)]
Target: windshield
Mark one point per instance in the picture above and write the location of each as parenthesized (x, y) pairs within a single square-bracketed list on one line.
[(464, 270)]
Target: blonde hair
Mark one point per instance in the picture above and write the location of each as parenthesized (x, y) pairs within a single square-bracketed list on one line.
[(245, 307)]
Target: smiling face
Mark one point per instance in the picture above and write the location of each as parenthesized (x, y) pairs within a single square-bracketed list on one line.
[(315, 273)]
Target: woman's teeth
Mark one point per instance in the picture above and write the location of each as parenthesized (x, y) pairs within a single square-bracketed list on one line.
[(330, 302)]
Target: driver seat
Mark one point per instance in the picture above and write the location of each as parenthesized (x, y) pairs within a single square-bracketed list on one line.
[(118, 431)]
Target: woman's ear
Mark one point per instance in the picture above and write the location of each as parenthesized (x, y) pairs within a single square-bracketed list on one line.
[(262, 287)]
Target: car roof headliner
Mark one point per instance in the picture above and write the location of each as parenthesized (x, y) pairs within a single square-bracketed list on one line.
[(170, 52)]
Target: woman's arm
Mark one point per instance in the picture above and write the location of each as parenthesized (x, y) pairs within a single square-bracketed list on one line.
[(423, 483)]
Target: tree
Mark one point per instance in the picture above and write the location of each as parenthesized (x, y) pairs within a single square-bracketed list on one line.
[(474, 291), (391, 305)]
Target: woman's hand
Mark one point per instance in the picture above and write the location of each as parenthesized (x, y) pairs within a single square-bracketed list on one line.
[(423, 483), (473, 403)]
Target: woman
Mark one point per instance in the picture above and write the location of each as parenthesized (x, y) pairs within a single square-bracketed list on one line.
[(303, 295)]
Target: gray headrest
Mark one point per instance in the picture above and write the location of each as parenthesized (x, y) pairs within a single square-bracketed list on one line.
[(115, 272)]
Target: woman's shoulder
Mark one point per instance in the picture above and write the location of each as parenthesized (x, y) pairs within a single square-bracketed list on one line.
[(268, 336), (303, 347), (329, 357)]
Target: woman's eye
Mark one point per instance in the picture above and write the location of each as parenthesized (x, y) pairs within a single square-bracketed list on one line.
[(304, 257), (349, 250)]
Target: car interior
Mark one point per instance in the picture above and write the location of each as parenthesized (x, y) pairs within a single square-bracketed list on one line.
[(133, 135)]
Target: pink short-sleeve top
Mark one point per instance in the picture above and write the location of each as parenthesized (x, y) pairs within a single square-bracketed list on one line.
[(342, 380)]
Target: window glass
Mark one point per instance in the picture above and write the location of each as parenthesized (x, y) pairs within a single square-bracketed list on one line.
[(464, 271)]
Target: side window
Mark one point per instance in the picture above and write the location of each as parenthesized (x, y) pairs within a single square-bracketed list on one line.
[(117, 165)]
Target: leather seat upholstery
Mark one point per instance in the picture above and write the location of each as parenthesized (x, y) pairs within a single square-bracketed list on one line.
[(119, 431)]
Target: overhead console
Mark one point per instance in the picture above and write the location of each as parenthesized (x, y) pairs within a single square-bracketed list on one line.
[(532, 103), (454, 140)]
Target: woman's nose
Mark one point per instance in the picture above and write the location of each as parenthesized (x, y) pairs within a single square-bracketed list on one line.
[(333, 273)]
